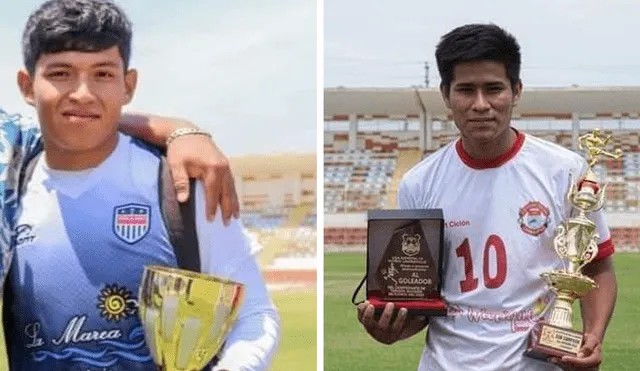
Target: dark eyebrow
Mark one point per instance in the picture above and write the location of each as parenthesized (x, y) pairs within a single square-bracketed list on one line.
[(464, 85), (67, 65), (58, 65), (107, 64)]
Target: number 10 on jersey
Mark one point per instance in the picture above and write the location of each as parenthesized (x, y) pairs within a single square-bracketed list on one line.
[(494, 264)]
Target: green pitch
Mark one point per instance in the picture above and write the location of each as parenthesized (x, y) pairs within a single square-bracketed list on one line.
[(297, 349), (348, 347)]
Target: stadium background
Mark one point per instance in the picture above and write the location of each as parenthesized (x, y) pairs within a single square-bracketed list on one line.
[(277, 193), (373, 136)]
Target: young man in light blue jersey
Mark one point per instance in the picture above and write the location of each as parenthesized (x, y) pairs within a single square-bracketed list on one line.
[(74, 253), (193, 155)]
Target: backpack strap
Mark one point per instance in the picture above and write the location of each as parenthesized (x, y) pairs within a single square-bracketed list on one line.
[(179, 219), (26, 172)]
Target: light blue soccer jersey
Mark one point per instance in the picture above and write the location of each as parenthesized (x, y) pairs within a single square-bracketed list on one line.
[(82, 241)]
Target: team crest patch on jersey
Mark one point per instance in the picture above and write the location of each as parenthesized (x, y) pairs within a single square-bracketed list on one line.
[(534, 218), (131, 222), (410, 244)]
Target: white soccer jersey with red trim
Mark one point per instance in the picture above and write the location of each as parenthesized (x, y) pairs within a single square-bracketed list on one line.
[(500, 218)]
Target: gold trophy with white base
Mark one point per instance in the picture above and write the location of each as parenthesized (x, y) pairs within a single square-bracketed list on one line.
[(576, 243), (186, 316)]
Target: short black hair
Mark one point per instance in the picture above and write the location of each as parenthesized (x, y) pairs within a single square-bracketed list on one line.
[(478, 42), (75, 25)]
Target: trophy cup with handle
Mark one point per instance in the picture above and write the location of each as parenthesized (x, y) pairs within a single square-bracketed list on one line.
[(576, 243), (186, 316)]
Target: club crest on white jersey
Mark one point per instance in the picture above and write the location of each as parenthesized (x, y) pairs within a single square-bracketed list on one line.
[(534, 218), (131, 222)]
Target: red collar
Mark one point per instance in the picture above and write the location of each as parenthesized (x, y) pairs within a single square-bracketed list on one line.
[(488, 163)]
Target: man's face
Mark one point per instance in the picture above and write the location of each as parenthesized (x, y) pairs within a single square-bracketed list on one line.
[(79, 96), (481, 100)]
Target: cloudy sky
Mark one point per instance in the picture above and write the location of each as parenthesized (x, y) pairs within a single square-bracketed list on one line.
[(244, 69), (563, 42)]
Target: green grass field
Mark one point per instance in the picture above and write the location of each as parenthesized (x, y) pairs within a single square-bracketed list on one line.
[(348, 347), (298, 314), (297, 349)]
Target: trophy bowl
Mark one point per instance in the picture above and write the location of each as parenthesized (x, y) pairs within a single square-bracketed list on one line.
[(186, 316)]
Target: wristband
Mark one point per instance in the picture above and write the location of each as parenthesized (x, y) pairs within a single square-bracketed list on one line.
[(185, 131)]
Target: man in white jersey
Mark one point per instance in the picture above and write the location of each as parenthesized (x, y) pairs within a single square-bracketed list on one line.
[(78, 264), (503, 195)]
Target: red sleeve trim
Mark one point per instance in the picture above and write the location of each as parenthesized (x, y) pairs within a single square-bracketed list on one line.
[(605, 249)]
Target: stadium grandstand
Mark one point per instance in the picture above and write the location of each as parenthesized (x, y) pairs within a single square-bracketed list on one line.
[(373, 136), (277, 196)]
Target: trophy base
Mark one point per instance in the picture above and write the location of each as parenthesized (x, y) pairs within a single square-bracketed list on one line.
[(548, 341), (426, 307)]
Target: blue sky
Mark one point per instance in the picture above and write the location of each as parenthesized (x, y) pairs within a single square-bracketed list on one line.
[(564, 42), (246, 69)]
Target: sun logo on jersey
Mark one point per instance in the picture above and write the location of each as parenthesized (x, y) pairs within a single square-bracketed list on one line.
[(410, 244), (534, 218), (116, 303)]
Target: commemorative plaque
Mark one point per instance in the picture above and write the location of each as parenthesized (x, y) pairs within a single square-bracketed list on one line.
[(404, 260)]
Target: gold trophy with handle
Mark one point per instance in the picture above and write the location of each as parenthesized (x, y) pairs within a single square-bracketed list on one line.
[(576, 243), (186, 316)]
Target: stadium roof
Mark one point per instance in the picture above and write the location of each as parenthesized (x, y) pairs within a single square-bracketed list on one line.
[(535, 102)]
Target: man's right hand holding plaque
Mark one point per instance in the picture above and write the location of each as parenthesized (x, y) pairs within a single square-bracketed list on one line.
[(404, 272)]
